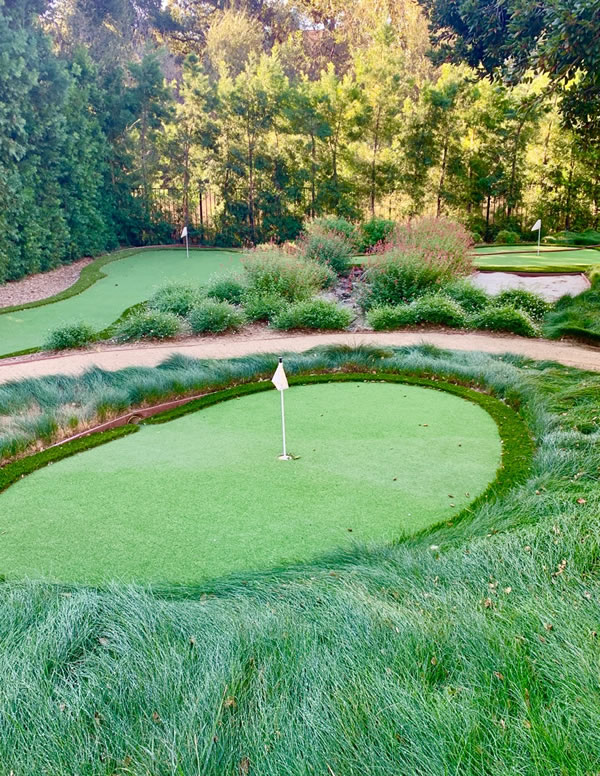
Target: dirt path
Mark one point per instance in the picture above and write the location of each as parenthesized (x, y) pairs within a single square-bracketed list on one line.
[(272, 342), (41, 286)]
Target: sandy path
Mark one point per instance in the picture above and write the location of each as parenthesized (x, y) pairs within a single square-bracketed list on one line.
[(272, 342)]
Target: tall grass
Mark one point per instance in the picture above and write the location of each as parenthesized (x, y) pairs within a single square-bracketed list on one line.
[(470, 649)]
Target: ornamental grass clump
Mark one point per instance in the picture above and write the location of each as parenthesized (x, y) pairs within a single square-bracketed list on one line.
[(149, 324), (69, 335), (290, 276), (214, 317), (313, 314)]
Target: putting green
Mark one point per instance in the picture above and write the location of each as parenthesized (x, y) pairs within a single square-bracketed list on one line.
[(205, 495), (127, 282), (517, 259)]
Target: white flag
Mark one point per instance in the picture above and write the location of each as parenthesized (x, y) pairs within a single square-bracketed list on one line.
[(279, 379), (184, 232), (537, 225)]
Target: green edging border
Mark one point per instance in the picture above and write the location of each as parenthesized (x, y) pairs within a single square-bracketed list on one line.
[(517, 443)]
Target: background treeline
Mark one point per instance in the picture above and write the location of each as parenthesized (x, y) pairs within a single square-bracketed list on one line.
[(121, 120)]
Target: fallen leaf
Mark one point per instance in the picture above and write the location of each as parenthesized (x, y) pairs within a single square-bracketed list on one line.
[(581, 501), (244, 766), (498, 675)]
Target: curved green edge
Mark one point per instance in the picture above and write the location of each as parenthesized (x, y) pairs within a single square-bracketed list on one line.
[(517, 444)]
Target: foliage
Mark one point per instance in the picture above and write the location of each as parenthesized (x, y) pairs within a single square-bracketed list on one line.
[(439, 309), (469, 296), (271, 272), (312, 314), (373, 232), (69, 335), (262, 306), (527, 301), (148, 324), (505, 318), (476, 237), (335, 224), (212, 316), (506, 237), (385, 317), (398, 279), (330, 248), (226, 288), (588, 237), (576, 316), (177, 298)]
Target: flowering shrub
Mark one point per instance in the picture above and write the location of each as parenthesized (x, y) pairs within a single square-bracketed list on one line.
[(226, 288), (148, 324), (332, 249), (470, 297), (505, 318), (69, 335), (291, 277), (313, 314), (214, 317), (532, 304), (437, 308), (420, 257), (391, 316), (177, 298)]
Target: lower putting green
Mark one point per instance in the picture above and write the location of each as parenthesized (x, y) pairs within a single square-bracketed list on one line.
[(516, 258), (206, 495)]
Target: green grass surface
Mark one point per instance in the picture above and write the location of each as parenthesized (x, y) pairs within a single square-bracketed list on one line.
[(515, 259), (206, 495), (528, 248), (128, 281)]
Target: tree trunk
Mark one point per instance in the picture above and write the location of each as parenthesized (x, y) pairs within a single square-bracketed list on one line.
[(568, 202), (313, 174), (442, 178), (251, 186), (374, 161), (513, 172)]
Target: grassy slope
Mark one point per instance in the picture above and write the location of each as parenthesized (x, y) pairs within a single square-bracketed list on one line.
[(469, 650), (577, 316), (127, 281), (206, 495)]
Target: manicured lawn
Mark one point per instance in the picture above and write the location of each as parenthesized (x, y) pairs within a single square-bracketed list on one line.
[(205, 495), (516, 259), (127, 282)]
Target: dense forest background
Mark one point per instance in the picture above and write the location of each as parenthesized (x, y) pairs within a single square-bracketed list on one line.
[(123, 120)]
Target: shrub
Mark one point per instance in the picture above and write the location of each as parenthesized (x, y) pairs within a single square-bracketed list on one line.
[(377, 230), (505, 319), (532, 304), (420, 257), (313, 314), (329, 248), (391, 316), (214, 317), (226, 288), (149, 324), (469, 297), (393, 281), (506, 237), (69, 335), (262, 307), (271, 272), (176, 298), (476, 237), (333, 224), (437, 308)]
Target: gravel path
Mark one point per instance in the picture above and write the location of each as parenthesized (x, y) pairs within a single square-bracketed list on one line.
[(41, 286), (265, 341)]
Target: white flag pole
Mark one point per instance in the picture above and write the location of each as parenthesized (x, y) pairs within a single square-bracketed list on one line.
[(280, 382), (539, 238), (285, 456), (187, 245)]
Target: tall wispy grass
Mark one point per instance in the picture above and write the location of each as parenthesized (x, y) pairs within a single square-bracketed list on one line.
[(472, 649)]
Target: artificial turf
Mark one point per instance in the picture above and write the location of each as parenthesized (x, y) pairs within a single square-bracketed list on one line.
[(206, 495), (519, 259), (127, 281)]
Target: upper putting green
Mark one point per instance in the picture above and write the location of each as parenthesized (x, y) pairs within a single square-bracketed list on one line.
[(128, 281), (205, 495), (519, 258)]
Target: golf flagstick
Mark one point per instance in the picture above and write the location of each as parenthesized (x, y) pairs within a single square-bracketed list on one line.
[(280, 382), (184, 233), (538, 227)]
